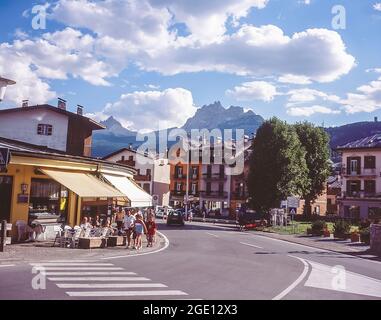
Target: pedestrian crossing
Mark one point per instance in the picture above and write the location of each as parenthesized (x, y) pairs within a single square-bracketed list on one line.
[(92, 279)]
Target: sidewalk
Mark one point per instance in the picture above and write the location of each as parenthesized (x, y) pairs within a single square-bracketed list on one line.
[(44, 250), (342, 246)]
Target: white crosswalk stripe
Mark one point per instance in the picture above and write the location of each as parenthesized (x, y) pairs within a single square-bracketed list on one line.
[(109, 285), (99, 279), (91, 273), (94, 276), (125, 293)]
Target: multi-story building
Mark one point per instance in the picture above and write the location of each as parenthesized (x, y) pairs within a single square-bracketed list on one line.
[(361, 179), (153, 174), (51, 127), (180, 173)]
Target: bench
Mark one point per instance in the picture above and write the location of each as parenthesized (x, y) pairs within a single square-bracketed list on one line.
[(115, 241), (91, 243)]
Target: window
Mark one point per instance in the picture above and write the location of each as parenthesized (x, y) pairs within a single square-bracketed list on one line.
[(178, 186), (317, 210), (123, 158), (131, 158), (194, 188), (44, 129), (370, 186), (370, 162), (148, 172), (374, 213)]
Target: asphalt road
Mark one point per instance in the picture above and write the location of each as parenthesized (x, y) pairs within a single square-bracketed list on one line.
[(201, 262)]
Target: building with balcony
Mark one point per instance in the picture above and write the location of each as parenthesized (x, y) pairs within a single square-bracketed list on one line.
[(361, 179), (180, 173), (152, 172)]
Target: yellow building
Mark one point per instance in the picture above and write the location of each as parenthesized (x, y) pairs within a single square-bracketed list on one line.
[(41, 181)]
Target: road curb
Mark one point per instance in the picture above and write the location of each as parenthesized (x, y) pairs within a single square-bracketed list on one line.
[(137, 254)]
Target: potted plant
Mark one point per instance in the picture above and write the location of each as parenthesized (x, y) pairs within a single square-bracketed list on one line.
[(355, 237), (341, 229), (318, 227)]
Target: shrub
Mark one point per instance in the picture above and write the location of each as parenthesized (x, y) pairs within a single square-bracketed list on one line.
[(318, 227), (365, 235), (341, 228)]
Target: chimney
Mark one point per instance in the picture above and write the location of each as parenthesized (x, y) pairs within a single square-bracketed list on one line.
[(79, 110), (25, 104), (61, 104)]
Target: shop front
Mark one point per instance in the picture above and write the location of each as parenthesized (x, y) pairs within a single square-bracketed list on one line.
[(53, 189)]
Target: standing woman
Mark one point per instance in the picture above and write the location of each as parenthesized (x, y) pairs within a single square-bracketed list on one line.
[(140, 229)]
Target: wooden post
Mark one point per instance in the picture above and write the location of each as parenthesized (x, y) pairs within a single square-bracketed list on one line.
[(3, 235)]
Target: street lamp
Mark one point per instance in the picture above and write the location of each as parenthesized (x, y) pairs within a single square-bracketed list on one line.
[(4, 83)]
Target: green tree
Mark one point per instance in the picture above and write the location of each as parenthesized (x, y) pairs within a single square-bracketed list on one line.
[(277, 166), (316, 143)]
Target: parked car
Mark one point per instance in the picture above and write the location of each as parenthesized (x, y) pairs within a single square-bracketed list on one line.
[(160, 214), (175, 217), (251, 220)]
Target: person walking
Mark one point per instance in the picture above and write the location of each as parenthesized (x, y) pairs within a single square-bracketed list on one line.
[(129, 223), (151, 230), (140, 229), (190, 215)]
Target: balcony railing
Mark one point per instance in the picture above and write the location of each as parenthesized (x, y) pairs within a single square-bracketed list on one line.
[(360, 172), (179, 176), (183, 193), (130, 163), (142, 177), (360, 195), (214, 176), (214, 194)]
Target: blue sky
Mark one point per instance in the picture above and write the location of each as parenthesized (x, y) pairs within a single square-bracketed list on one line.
[(148, 61)]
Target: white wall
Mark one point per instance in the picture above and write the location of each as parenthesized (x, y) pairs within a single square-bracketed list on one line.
[(160, 175), (22, 126)]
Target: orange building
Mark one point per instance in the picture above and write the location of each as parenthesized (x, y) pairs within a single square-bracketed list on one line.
[(179, 175)]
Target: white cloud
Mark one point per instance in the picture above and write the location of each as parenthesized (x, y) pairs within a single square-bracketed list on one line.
[(368, 98), (18, 67), (293, 79), (206, 20), (140, 30), (315, 54), (298, 96), (255, 90), (377, 6), (375, 70), (309, 111), (144, 110)]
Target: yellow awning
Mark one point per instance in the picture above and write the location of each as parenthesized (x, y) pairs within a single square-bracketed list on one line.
[(84, 185)]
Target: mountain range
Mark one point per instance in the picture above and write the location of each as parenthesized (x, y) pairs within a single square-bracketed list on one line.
[(212, 116)]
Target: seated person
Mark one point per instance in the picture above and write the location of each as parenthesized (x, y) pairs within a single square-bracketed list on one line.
[(107, 229), (85, 224)]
